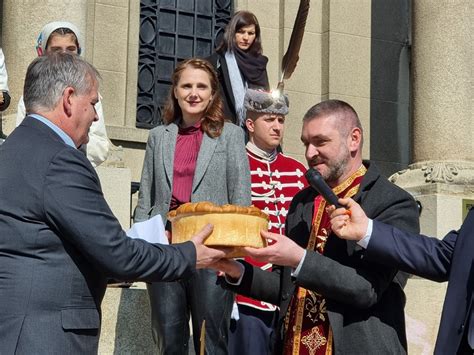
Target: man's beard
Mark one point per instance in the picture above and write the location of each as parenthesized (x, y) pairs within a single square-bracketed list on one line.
[(337, 169)]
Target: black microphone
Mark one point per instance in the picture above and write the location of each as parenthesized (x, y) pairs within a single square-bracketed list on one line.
[(317, 182)]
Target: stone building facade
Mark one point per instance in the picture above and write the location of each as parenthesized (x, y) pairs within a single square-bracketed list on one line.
[(405, 66)]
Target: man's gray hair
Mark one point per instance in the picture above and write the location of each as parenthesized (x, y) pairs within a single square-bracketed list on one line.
[(48, 76)]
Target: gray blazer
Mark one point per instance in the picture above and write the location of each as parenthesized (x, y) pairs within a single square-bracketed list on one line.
[(222, 171), (59, 242)]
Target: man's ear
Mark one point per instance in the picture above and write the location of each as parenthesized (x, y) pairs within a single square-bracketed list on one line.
[(355, 139), (249, 123), (67, 100)]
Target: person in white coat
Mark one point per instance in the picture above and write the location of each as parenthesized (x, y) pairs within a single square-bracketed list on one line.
[(61, 36), (4, 94)]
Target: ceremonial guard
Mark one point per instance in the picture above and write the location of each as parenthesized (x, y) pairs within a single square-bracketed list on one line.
[(275, 179)]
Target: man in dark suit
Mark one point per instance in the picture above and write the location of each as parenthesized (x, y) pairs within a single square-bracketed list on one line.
[(330, 297), (59, 241), (449, 259)]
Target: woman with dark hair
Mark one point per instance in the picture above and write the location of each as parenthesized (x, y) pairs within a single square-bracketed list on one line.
[(194, 157), (240, 64)]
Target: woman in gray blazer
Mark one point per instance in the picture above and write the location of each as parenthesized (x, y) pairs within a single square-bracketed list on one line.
[(195, 156)]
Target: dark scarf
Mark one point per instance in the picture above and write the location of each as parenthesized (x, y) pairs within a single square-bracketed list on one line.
[(253, 67)]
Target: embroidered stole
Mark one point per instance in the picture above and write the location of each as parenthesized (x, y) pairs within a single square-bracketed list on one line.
[(307, 328)]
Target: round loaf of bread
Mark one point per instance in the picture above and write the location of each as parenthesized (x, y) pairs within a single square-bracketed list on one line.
[(234, 226)]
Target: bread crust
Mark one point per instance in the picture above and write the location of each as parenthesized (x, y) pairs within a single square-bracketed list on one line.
[(209, 207), (234, 226)]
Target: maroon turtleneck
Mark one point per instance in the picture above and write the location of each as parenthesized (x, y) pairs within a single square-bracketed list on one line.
[(188, 144)]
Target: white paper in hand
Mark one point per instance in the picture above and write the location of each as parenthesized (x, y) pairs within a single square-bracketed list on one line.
[(152, 230)]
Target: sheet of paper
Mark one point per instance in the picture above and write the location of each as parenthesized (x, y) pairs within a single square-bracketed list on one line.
[(152, 230)]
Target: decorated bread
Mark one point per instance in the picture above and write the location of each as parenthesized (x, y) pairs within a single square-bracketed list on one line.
[(234, 226)]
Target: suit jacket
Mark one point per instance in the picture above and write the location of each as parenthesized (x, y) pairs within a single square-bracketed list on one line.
[(222, 173), (365, 300), (59, 242), (450, 259)]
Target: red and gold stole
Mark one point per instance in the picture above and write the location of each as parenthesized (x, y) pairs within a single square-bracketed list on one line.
[(307, 328)]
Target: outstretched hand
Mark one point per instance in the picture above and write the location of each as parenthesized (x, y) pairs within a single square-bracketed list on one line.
[(283, 251), (207, 256), (350, 222), (229, 268)]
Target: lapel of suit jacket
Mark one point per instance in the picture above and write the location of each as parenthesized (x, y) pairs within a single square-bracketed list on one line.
[(206, 152), (308, 213), (305, 222), (168, 149)]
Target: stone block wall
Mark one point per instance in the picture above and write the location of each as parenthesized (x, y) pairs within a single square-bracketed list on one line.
[(335, 62)]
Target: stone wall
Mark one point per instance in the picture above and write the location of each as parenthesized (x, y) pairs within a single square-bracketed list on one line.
[(334, 63)]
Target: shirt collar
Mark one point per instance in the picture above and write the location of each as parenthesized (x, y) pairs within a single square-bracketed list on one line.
[(261, 153), (56, 129)]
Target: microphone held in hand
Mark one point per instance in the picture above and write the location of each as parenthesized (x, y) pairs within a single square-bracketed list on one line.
[(317, 182)]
